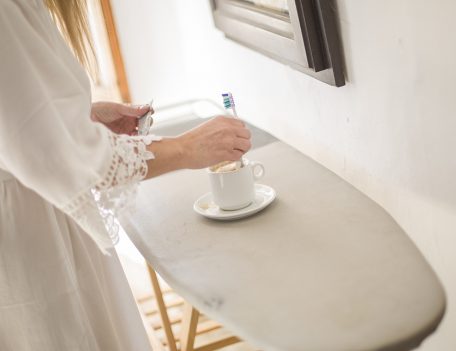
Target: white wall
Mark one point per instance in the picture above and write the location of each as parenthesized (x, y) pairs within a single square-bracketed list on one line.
[(391, 131)]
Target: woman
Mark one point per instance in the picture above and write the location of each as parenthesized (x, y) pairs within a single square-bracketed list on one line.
[(67, 169)]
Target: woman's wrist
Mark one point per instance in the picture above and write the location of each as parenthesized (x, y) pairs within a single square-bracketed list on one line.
[(169, 156)]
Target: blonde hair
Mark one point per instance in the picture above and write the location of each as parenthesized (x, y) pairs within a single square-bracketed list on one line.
[(71, 18)]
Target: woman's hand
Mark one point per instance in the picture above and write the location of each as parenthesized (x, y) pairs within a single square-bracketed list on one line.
[(219, 139), (119, 118)]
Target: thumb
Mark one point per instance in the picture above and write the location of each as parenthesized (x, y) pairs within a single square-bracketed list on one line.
[(134, 110)]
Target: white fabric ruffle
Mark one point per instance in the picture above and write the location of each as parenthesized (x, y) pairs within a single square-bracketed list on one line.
[(97, 209)]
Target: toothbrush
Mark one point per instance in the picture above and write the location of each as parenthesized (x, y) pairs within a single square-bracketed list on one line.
[(228, 103)]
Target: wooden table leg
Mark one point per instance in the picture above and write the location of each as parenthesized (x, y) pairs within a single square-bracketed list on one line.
[(162, 310), (189, 324)]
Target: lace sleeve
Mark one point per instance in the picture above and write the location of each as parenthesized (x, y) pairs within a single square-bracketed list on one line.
[(97, 208)]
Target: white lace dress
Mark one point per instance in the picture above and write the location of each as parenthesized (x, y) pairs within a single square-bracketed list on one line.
[(63, 179)]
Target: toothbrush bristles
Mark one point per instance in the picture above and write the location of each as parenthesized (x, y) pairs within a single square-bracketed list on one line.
[(228, 100)]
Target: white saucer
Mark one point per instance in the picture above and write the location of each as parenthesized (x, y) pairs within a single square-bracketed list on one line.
[(264, 195)]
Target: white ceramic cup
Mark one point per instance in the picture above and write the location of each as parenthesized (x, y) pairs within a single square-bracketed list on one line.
[(234, 190)]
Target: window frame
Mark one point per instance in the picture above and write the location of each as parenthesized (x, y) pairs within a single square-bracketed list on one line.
[(306, 39)]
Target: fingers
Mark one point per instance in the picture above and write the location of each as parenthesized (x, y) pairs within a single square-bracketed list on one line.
[(243, 133), (243, 145), (241, 142), (123, 125), (235, 122), (235, 155), (134, 111)]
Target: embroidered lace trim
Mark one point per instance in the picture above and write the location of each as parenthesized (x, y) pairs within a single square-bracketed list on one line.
[(97, 209)]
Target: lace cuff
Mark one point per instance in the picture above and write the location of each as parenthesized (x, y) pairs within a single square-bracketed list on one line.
[(96, 209)]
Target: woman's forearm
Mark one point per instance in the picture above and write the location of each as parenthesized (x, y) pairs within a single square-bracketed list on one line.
[(219, 139), (169, 156)]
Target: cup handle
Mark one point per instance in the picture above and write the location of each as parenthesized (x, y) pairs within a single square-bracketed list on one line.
[(257, 170)]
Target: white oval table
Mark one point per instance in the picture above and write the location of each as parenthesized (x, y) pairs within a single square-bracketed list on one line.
[(322, 268)]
